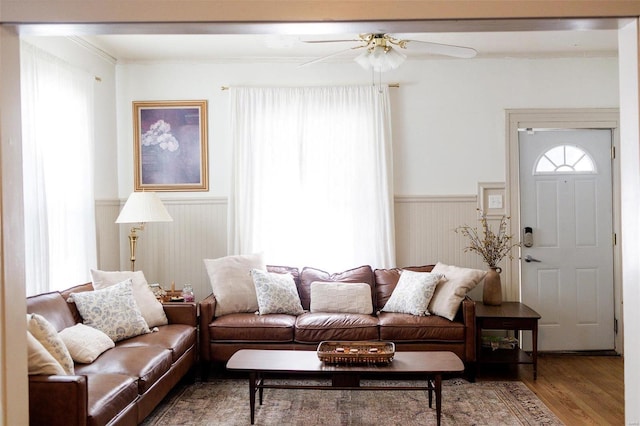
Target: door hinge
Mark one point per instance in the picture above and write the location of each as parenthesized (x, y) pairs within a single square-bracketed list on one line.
[(615, 239), (615, 325), (613, 152)]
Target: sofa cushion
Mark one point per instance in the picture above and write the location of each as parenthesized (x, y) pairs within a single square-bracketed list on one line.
[(146, 363), (150, 307), (40, 361), (362, 274), (387, 279), (276, 293), (413, 293), (85, 343), (396, 328), (177, 338), (244, 327), (314, 327), (48, 337), (453, 288), (112, 310), (108, 395), (232, 284), (54, 307), (348, 298)]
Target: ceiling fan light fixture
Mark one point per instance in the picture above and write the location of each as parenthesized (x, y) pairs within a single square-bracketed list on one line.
[(380, 58)]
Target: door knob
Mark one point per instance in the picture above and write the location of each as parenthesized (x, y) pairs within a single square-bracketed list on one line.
[(528, 259)]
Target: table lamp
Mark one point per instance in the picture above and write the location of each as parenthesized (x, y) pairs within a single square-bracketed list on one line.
[(141, 207)]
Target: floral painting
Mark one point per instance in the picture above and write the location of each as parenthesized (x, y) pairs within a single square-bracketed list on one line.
[(171, 145)]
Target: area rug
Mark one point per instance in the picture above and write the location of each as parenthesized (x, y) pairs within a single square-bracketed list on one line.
[(226, 402)]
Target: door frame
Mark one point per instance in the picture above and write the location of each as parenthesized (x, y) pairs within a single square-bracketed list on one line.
[(584, 118)]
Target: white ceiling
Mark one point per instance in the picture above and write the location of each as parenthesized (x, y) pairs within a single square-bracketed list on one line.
[(255, 47)]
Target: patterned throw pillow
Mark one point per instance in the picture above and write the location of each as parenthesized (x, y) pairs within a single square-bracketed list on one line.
[(413, 293), (45, 333), (112, 310), (277, 293), (150, 307), (40, 361)]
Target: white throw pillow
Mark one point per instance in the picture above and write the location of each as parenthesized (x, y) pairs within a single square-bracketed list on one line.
[(45, 333), (413, 293), (85, 343), (112, 310), (231, 282), (349, 298), (40, 361), (276, 293), (150, 307), (453, 288)]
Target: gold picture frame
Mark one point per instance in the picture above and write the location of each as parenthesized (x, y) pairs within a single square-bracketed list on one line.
[(170, 145)]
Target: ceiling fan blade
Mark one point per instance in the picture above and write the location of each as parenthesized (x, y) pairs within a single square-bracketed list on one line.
[(444, 49), (351, 40), (331, 55)]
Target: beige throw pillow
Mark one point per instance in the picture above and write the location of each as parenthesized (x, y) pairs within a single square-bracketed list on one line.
[(350, 298), (232, 284), (40, 361), (450, 291), (85, 343), (149, 306), (45, 333)]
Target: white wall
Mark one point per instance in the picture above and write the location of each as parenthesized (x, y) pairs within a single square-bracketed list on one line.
[(630, 211), (449, 134), (448, 115)]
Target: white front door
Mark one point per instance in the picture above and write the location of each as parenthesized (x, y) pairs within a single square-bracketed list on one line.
[(566, 203)]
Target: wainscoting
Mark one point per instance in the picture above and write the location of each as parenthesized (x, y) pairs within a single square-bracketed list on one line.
[(174, 251)]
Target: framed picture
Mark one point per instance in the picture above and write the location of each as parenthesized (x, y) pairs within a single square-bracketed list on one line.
[(491, 199), (170, 145)]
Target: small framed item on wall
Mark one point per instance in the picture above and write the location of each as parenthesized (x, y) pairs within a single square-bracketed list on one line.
[(170, 145), (491, 199)]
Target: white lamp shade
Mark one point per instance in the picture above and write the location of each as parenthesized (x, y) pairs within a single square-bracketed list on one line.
[(142, 207)]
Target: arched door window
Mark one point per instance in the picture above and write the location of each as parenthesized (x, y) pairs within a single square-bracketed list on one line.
[(565, 159)]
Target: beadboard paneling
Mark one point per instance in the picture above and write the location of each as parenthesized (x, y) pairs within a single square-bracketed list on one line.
[(425, 230), (174, 251)]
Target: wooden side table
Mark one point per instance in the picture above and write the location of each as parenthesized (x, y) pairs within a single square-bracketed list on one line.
[(514, 316)]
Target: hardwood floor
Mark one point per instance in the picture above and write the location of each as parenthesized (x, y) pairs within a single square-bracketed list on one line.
[(579, 389)]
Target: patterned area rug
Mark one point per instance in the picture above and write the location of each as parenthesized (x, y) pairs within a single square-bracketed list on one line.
[(226, 402)]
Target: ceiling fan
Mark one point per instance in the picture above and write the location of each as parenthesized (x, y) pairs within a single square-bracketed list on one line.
[(382, 52)]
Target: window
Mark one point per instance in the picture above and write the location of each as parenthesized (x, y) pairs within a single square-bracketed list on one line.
[(57, 143), (565, 159), (312, 182)]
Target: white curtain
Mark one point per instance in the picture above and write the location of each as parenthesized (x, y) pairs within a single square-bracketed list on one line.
[(57, 141), (312, 176)]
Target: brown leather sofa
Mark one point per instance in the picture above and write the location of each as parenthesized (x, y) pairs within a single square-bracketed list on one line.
[(125, 383), (222, 336)]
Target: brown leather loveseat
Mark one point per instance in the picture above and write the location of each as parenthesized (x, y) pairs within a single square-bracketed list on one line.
[(222, 336), (125, 383)]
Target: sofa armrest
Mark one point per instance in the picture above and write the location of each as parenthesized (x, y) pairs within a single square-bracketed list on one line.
[(181, 313), (469, 318), (207, 312), (58, 400)]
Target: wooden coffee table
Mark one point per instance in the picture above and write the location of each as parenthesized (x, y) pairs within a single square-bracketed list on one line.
[(424, 365)]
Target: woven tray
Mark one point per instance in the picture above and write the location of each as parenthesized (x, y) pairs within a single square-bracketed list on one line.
[(336, 352)]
